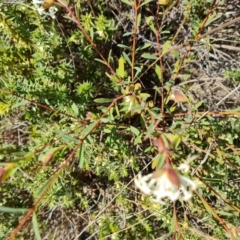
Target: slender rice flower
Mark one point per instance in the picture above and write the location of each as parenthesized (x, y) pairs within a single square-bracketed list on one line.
[(43, 11), (166, 183)]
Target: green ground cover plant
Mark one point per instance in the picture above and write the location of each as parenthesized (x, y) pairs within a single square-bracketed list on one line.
[(119, 119)]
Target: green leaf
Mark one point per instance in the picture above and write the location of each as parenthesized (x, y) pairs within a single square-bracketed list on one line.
[(44, 187), (165, 46), (121, 70), (105, 120), (138, 139), (13, 210), (75, 108), (134, 130), (19, 104), (88, 129), (127, 2), (145, 2), (70, 18), (91, 33), (158, 161), (150, 129), (138, 71), (144, 96), (158, 72), (127, 34), (176, 65), (175, 139), (213, 180), (117, 110), (197, 105), (146, 45), (35, 226), (220, 156), (139, 17), (101, 61), (149, 21), (66, 137), (9, 170), (102, 100), (81, 156), (210, 18), (149, 56), (127, 58), (123, 46)]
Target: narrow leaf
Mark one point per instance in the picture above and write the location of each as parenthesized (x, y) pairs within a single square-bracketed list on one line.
[(88, 129), (66, 137), (210, 18), (35, 226), (145, 2), (9, 170), (150, 129), (102, 100), (127, 58), (44, 187), (134, 130), (123, 46), (165, 46), (158, 72), (81, 156), (149, 56), (127, 34), (12, 210), (127, 2), (146, 45), (99, 60), (19, 104), (139, 20)]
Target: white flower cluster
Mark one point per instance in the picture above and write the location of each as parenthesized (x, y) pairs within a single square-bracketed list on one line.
[(39, 6), (166, 183)]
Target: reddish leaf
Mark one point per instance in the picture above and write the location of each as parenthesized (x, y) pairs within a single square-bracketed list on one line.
[(177, 96), (1, 173)]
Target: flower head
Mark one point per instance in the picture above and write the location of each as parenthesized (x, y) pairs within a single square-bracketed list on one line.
[(166, 183), (43, 11)]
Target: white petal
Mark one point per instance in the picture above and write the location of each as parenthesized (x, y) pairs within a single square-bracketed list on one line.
[(184, 167), (40, 10), (52, 12), (38, 1), (187, 182), (186, 195), (140, 183)]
